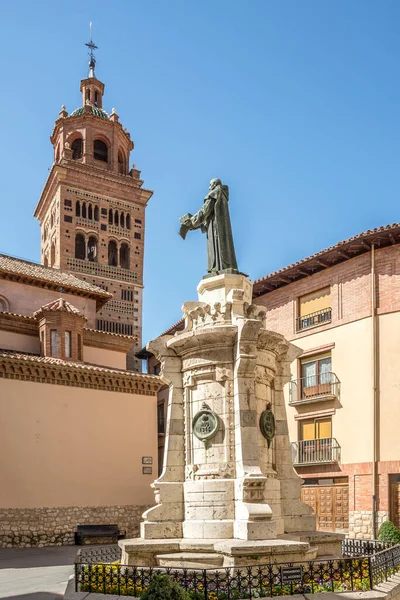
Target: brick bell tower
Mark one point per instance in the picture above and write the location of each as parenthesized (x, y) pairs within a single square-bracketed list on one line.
[(92, 209)]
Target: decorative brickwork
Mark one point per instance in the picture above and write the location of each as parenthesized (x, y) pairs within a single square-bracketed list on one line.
[(27, 527)]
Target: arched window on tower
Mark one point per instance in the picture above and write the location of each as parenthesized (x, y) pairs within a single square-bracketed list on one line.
[(78, 208), (96, 97), (110, 217), (122, 220), (77, 148), (92, 249), (84, 210), (88, 95), (124, 256), (128, 221), (96, 213), (121, 163), (90, 212), (112, 254), (116, 220), (80, 249), (52, 255), (100, 150)]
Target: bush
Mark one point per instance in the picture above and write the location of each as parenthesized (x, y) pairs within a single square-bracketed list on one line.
[(163, 587), (388, 532)]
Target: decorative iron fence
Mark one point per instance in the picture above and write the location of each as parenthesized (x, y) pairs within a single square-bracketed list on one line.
[(236, 583), (324, 450), (318, 317), (355, 548), (306, 389)]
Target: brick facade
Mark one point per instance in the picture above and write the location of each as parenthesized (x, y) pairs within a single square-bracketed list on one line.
[(92, 212)]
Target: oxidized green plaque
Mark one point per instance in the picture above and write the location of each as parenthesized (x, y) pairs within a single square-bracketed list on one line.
[(267, 424), (205, 424)]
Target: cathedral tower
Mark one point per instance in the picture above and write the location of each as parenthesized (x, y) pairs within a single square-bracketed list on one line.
[(92, 209)]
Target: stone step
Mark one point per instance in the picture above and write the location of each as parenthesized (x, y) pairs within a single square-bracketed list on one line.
[(190, 560)]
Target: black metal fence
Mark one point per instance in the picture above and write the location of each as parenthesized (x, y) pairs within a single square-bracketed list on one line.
[(353, 548), (93, 574)]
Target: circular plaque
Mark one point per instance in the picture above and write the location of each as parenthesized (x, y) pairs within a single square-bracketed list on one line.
[(205, 424), (267, 425)]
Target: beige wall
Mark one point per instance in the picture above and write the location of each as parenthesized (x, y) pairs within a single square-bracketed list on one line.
[(389, 383), (25, 299), (69, 446), (105, 358), (19, 342), (351, 362)]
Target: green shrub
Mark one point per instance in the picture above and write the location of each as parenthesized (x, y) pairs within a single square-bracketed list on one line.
[(388, 532), (163, 587)]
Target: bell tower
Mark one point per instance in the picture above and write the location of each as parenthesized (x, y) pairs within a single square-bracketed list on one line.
[(92, 209)]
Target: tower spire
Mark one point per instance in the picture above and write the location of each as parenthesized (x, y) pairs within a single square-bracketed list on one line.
[(92, 47)]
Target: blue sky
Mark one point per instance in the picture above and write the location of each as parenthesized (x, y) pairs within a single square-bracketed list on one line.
[(293, 103)]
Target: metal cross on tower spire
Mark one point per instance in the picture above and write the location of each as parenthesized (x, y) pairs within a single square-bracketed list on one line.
[(92, 47)]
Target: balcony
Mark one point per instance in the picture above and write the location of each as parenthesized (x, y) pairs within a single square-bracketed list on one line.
[(316, 452), (314, 388), (320, 317)]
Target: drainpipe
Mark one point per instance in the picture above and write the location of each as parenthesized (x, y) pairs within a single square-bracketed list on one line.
[(374, 390)]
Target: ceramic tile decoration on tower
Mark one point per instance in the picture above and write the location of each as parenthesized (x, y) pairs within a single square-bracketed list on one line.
[(228, 494)]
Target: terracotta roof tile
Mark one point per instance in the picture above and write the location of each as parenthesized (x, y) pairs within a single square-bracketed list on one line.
[(78, 365), (368, 236), (18, 266), (59, 305)]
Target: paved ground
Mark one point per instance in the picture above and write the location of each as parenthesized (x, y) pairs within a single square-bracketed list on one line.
[(35, 573)]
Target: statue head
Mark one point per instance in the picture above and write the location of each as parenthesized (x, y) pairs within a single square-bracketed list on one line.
[(214, 183)]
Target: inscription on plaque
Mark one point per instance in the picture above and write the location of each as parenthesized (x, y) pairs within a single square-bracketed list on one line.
[(205, 425), (292, 575), (267, 424)]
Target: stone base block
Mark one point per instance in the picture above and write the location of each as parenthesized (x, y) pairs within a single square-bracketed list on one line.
[(255, 530), (160, 530), (202, 552), (328, 544), (207, 529)]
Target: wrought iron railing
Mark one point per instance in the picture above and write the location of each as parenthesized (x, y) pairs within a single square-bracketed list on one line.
[(318, 317), (324, 450), (94, 575), (354, 548), (307, 389)]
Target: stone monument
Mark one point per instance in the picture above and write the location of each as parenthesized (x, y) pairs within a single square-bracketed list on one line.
[(228, 494)]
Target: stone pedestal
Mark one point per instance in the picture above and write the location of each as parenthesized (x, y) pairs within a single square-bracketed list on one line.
[(228, 488)]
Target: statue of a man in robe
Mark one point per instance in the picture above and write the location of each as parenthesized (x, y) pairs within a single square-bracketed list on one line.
[(213, 219)]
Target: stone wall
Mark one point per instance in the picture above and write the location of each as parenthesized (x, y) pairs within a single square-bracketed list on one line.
[(360, 523), (27, 527)]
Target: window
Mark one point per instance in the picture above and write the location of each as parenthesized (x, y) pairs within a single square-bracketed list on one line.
[(79, 346), (78, 209), (124, 256), (100, 150), (67, 218), (122, 220), (110, 217), (84, 210), (68, 340), (77, 148), (121, 165), (53, 342), (316, 429), (127, 295), (128, 222), (116, 220), (137, 236), (103, 212), (67, 202), (92, 249), (316, 376), (96, 213), (103, 227), (4, 305), (160, 417), (90, 212), (112, 254), (138, 220), (314, 309), (80, 246)]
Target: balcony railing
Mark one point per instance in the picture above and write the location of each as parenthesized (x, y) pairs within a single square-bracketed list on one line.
[(312, 452), (319, 317), (324, 386)]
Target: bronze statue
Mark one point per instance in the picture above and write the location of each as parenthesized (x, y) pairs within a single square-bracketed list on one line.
[(213, 219)]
